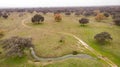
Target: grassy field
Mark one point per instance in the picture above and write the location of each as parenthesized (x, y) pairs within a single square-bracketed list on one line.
[(46, 40)]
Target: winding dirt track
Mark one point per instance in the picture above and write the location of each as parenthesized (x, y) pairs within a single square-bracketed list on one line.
[(100, 56)]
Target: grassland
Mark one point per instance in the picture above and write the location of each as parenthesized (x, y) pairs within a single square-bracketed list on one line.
[(46, 40)]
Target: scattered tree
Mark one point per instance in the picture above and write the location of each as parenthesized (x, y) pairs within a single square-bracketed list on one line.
[(77, 13), (37, 19), (88, 13), (83, 21), (102, 37), (116, 16), (15, 46), (5, 16), (106, 14), (99, 17), (57, 17), (117, 21), (68, 13)]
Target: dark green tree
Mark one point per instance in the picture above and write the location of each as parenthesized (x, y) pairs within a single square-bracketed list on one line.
[(37, 19), (102, 37)]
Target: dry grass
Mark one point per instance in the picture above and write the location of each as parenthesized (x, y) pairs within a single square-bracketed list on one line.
[(47, 43)]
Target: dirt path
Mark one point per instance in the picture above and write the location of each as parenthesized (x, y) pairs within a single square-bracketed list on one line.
[(100, 56), (59, 58)]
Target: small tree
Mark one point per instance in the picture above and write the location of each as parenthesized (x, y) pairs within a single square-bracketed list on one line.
[(15, 46), (57, 17), (102, 37), (106, 14), (5, 16), (77, 13), (83, 21), (116, 16), (68, 13), (117, 21), (99, 17), (88, 13), (37, 19)]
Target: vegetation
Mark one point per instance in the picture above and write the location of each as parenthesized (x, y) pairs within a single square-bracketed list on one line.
[(37, 19), (77, 13), (15, 46), (1, 33), (117, 21), (106, 14), (68, 13), (5, 16), (83, 21), (102, 37), (49, 43), (57, 17), (88, 13), (75, 53), (99, 17)]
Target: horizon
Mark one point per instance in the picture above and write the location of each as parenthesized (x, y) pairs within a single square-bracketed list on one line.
[(56, 3), (59, 7)]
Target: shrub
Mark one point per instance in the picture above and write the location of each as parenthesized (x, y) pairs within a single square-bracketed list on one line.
[(57, 17), (102, 37), (15, 46), (0, 52), (74, 52), (83, 21), (37, 19), (117, 21), (62, 40)]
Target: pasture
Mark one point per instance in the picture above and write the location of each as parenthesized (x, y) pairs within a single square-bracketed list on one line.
[(46, 39)]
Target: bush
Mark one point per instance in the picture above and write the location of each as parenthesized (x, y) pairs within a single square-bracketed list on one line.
[(117, 21), (15, 46), (0, 52), (57, 17), (37, 19), (102, 37), (62, 40), (83, 21), (74, 52)]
